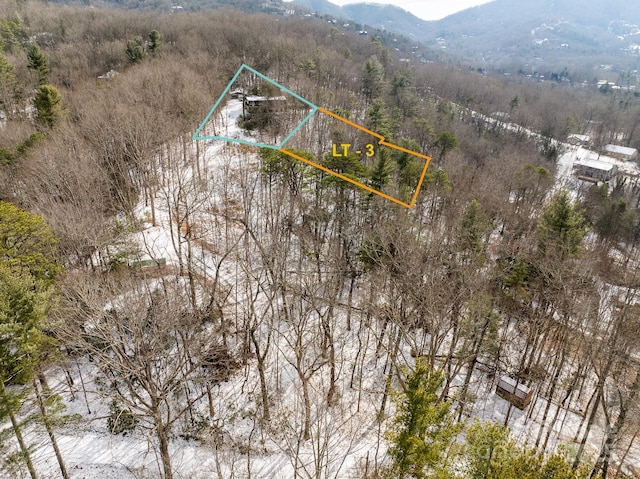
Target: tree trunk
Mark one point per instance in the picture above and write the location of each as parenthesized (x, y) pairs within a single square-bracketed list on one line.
[(508, 415), (266, 414), (553, 422), (152, 204), (602, 464), (359, 361), (592, 418), (18, 433), (455, 336), (473, 361), (70, 383), (328, 339), (584, 418), (212, 410), (350, 300), (192, 283), (84, 389), (163, 442), (552, 391), (623, 458), (387, 383), (23, 447), (47, 423), (307, 407)]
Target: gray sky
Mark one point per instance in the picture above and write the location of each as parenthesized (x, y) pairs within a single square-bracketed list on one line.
[(425, 9)]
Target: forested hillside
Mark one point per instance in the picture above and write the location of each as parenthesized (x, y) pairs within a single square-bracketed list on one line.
[(550, 34), (517, 36), (177, 308)]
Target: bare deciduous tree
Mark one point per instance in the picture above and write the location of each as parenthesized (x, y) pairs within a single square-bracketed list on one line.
[(149, 344)]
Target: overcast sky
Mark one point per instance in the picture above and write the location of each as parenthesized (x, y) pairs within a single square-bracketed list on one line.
[(425, 9)]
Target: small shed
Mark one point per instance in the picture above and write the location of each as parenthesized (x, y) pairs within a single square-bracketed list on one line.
[(594, 170), (517, 394), (621, 152)]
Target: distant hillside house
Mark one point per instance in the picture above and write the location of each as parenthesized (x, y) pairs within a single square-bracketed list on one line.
[(254, 100), (594, 170), (621, 152), (110, 75), (576, 139)]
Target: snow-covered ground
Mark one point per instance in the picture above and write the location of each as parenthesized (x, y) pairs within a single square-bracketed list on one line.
[(344, 436)]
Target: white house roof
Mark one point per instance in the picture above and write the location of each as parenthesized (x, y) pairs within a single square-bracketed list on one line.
[(513, 387), (578, 137), (621, 150), (596, 164), (255, 98), (111, 74)]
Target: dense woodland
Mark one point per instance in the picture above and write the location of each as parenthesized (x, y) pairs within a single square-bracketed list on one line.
[(353, 337)]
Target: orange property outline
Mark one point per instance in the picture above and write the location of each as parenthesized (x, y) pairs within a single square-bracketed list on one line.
[(380, 142)]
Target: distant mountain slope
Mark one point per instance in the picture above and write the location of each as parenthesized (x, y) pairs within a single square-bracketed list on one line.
[(322, 7), (517, 35), (520, 31), (531, 29), (388, 17)]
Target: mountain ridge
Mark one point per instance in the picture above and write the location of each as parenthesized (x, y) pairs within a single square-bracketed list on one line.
[(502, 32), (374, 14)]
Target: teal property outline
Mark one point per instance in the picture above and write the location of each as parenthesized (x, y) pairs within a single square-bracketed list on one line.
[(244, 66)]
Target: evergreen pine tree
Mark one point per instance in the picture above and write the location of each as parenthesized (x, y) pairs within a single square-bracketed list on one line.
[(27, 244), (135, 50), (422, 433), (9, 90), (28, 267), (38, 62), (561, 228), (381, 171), (48, 105), (473, 227), (22, 312), (489, 453), (446, 141), (155, 40), (373, 78), (378, 119)]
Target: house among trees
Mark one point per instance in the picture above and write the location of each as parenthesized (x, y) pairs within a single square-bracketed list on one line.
[(621, 152), (579, 140), (236, 94), (595, 170), (260, 112), (110, 75), (255, 100), (516, 393)]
